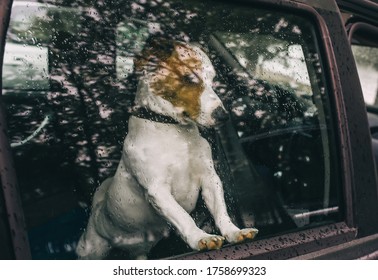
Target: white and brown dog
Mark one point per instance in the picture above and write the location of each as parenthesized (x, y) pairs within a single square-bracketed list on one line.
[(165, 165)]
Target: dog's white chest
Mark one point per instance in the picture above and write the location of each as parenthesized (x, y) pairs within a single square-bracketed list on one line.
[(188, 173), (170, 156)]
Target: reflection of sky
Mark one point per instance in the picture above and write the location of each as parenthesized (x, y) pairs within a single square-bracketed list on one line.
[(284, 67), (279, 61), (29, 21), (296, 67), (25, 67), (25, 13)]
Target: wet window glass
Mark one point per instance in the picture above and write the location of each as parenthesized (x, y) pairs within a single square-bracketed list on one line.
[(150, 129)]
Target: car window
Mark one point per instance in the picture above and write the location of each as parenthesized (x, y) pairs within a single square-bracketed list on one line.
[(70, 87)]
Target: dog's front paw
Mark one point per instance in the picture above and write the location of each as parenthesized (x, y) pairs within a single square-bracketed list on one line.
[(211, 242), (242, 235)]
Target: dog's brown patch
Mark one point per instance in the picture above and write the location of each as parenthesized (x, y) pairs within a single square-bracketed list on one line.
[(177, 77)]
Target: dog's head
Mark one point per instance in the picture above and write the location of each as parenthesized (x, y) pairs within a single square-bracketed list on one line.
[(177, 81)]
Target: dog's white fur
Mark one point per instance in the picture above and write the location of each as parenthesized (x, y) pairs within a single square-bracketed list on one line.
[(163, 168)]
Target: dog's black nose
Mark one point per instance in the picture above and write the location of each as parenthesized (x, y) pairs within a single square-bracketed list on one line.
[(220, 114)]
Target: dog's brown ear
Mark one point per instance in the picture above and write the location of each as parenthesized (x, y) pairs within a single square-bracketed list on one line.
[(156, 50)]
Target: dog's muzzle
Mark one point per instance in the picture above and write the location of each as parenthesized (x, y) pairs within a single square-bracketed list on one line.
[(220, 115)]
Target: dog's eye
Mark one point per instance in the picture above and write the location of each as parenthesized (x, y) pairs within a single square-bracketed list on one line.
[(190, 79)]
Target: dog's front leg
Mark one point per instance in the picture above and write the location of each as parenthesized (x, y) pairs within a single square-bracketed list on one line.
[(166, 205), (213, 195)]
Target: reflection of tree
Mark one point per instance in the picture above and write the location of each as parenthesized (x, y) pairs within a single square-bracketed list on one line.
[(89, 103), (90, 106)]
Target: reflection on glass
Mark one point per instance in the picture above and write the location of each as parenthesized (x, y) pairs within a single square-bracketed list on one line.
[(277, 61)]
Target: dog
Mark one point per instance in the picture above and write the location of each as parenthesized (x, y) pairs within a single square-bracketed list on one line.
[(166, 163)]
